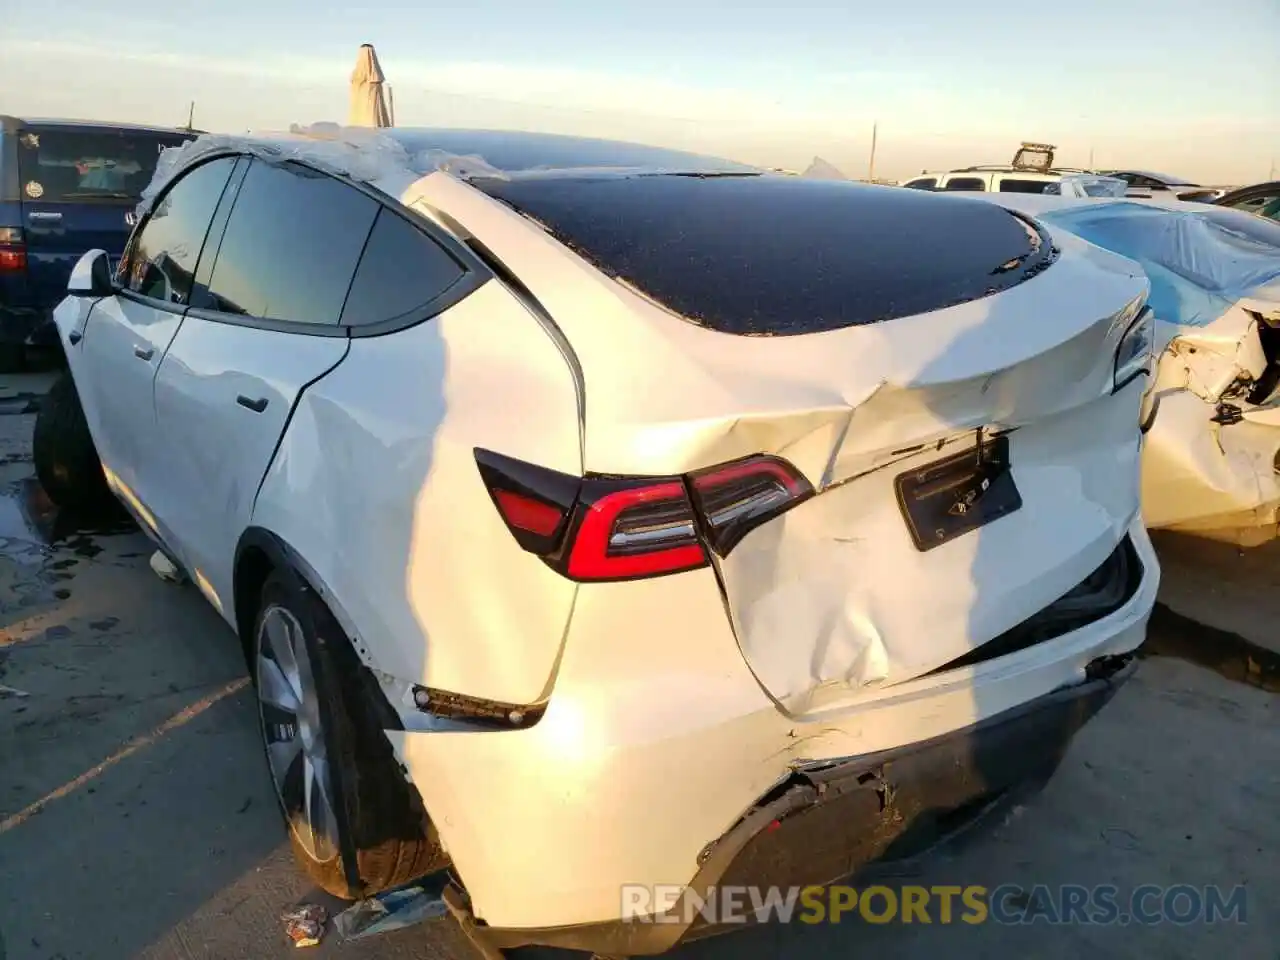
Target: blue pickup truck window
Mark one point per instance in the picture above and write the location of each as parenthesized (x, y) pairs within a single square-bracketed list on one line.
[(84, 164)]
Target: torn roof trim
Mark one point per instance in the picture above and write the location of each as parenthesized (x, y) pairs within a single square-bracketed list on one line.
[(364, 156), (382, 160)]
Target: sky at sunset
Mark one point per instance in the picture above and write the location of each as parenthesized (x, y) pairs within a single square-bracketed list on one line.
[(1165, 86)]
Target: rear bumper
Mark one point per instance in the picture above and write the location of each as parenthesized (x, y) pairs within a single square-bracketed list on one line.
[(830, 819), (657, 743)]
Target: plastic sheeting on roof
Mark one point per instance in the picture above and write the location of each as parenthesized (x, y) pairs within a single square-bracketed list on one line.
[(360, 153), (1199, 262)]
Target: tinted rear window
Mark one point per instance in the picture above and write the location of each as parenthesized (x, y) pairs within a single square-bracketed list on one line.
[(401, 271), (57, 164), (966, 183), (783, 255)]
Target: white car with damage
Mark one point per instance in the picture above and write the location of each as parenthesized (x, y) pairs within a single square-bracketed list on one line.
[(1211, 465), (595, 515)]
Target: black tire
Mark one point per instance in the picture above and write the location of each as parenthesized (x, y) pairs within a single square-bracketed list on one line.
[(66, 460), (385, 837), (13, 358)]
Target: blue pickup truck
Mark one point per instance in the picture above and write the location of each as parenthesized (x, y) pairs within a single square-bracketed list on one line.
[(66, 186)]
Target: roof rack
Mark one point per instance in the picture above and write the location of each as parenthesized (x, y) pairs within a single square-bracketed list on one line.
[(1010, 168), (1034, 156)]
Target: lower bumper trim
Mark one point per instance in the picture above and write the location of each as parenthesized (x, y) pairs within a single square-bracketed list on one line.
[(832, 819)]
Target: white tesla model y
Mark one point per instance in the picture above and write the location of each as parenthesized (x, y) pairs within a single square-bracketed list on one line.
[(596, 515)]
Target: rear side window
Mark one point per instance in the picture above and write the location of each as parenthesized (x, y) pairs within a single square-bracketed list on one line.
[(401, 272), (162, 258), (84, 164), (1014, 185), (925, 183), (291, 246), (965, 183)]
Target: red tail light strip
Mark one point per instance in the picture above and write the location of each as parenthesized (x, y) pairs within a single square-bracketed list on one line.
[(623, 528), (601, 551)]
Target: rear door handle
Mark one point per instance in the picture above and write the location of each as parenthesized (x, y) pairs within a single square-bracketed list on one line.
[(144, 353), (257, 406)]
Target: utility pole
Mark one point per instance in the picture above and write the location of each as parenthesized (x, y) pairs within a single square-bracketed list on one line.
[(191, 116), (1091, 159), (871, 166), (391, 105)]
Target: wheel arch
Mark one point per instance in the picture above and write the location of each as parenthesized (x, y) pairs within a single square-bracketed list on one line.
[(260, 553), (383, 783)]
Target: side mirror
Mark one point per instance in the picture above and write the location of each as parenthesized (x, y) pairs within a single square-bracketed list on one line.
[(91, 276)]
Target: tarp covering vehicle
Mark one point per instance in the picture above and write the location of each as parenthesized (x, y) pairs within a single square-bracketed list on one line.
[(1212, 459)]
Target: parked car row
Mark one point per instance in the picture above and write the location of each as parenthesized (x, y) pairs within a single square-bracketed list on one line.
[(1032, 171), (581, 529)]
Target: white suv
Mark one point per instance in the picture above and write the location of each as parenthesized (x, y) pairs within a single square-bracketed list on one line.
[(1029, 172), (581, 528), (988, 179)]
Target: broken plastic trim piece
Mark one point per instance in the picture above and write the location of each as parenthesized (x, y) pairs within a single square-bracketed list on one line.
[(605, 528), (477, 710)]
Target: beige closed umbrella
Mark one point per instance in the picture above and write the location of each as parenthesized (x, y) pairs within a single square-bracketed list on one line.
[(368, 100)]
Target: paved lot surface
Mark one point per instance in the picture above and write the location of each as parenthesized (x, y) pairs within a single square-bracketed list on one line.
[(136, 816)]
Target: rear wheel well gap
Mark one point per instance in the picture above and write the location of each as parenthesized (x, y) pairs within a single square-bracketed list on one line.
[(252, 570)]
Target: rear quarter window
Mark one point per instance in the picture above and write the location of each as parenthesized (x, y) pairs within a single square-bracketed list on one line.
[(401, 273), (86, 164)]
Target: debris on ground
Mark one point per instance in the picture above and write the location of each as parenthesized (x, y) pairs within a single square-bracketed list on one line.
[(165, 568), (304, 924), (388, 911), (7, 691)]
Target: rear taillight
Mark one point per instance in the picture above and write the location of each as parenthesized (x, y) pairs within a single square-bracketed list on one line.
[(623, 528), (737, 497), (633, 528), (13, 250)]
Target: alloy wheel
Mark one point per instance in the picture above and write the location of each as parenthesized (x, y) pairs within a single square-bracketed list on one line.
[(292, 728)]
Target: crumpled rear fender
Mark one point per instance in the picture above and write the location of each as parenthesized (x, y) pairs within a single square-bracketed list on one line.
[(1211, 464)]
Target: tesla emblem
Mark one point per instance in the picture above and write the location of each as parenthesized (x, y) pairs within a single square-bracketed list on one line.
[(130, 219)]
